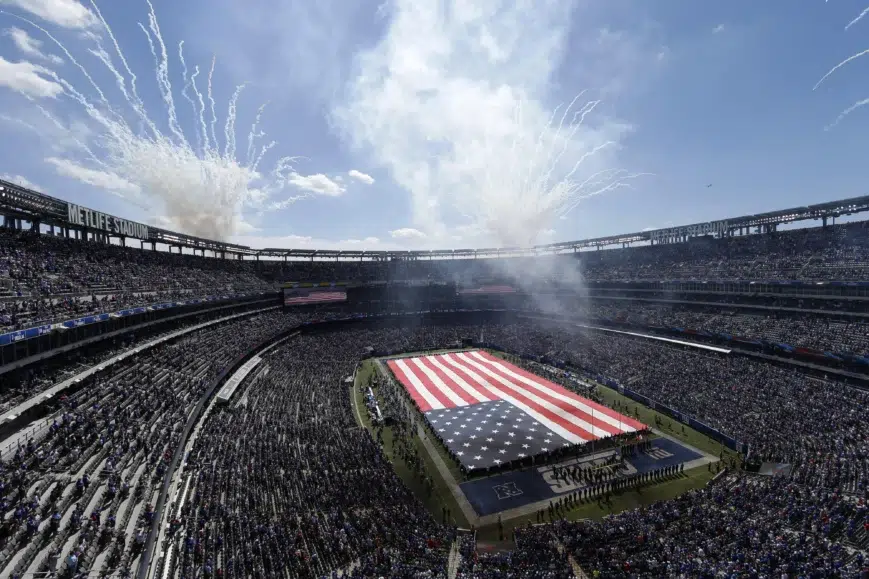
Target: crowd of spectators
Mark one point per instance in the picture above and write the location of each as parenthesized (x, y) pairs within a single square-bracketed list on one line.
[(537, 555), (242, 460), (30, 380), (79, 493), (45, 279), (738, 527), (798, 329), (785, 416), (284, 484)]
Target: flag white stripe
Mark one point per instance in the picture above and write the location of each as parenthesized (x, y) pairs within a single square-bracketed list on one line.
[(434, 379), (548, 391), (572, 418), (458, 380), (418, 384), (559, 430)]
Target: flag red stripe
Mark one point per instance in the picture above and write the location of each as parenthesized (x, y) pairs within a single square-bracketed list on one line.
[(408, 385), (481, 388), (545, 412), (430, 385), (562, 404), (563, 391), (449, 382), (435, 391)]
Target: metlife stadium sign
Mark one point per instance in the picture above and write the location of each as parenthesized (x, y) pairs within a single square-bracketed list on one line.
[(91, 219), (677, 234)]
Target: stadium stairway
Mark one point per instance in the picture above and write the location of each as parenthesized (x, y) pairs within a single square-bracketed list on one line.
[(455, 560), (348, 570), (577, 570)]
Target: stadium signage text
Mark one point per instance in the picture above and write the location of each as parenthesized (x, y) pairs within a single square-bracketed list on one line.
[(676, 234), (95, 220)]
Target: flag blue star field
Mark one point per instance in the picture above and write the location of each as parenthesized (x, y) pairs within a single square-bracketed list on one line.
[(489, 412), (491, 433)]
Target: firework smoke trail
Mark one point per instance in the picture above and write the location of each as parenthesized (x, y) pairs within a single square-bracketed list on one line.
[(212, 103), (253, 132), (184, 91), (853, 57), (524, 194), (229, 128), (199, 189), (858, 19)]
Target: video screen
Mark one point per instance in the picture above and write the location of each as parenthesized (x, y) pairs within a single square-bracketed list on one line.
[(308, 296)]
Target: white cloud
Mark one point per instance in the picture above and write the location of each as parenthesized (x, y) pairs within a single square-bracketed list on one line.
[(318, 184), (717, 29), (244, 227), (368, 241), (437, 103), (162, 221), (65, 13), (308, 242), (407, 233), (28, 79), (104, 180), (360, 176), (30, 46), (22, 181)]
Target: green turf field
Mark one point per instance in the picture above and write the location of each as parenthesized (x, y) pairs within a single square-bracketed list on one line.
[(441, 496)]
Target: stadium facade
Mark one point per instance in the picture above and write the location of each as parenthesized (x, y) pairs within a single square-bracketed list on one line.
[(19, 205)]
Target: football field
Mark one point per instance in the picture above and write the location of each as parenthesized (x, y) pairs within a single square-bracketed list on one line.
[(490, 413)]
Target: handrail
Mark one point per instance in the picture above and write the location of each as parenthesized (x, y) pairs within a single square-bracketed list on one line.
[(156, 521)]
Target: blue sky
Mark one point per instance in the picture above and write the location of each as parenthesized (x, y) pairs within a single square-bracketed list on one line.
[(403, 124)]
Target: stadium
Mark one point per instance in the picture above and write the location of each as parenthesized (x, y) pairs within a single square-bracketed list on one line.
[(174, 406)]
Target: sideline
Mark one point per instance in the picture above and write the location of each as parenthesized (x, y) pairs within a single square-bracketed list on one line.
[(444, 471), (355, 401)]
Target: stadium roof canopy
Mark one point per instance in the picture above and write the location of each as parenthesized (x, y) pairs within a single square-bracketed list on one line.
[(22, 203)]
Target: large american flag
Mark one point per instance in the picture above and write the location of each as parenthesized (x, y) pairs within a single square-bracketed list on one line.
[(314, 297), (488, 412)]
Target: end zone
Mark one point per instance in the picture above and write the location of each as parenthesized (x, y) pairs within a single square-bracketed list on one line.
[(516, 489)]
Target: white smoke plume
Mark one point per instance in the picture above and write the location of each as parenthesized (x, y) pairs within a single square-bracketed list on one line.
[(453, 102), (200, 187)]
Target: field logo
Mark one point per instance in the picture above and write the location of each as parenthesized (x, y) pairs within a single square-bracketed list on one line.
[(659, 453), (507, 491)]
